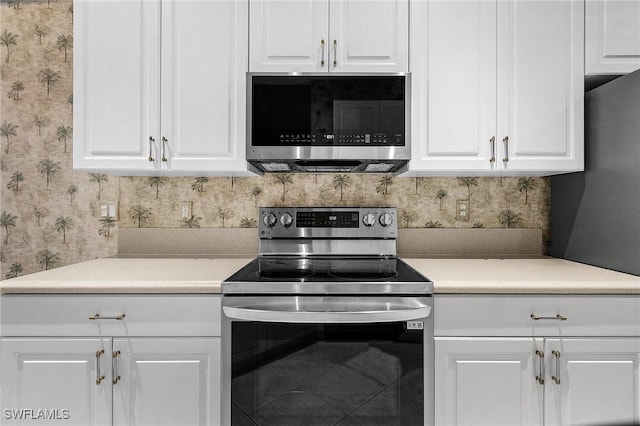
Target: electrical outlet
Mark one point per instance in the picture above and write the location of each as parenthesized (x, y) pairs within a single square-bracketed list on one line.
[(109, 209), (462, 210), (186, 208)]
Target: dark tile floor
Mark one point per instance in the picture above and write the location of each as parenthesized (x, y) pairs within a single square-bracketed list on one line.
[(334, 384)]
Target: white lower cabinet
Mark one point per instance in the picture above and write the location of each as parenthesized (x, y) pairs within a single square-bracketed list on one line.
[(597, 382), (485, 381), (168, 377), (57, 376), (549, 371), (168, 381)]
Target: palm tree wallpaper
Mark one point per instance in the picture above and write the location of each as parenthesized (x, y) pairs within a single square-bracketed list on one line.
[(50, 214)]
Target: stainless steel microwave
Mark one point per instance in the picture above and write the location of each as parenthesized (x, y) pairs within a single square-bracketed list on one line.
[(328, 122)]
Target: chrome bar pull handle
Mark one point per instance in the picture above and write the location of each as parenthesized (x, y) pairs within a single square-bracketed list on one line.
[(164, 149), (114, 367), (557, 317), (322, 54), (151, 141), (335, 53), (99, 377), (540, 376), (492, 141), (98, 317), (556, 377), (316, 310), (506, 149)]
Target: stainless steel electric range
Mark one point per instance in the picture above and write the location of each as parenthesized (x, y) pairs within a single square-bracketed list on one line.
[(327, 326)]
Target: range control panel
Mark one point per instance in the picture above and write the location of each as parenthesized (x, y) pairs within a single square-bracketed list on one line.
[(328, 222), (347, 219)]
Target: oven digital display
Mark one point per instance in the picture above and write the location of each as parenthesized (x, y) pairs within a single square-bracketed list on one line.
[(327, 219)]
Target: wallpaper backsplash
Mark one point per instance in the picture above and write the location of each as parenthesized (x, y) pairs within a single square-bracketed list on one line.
[(50, 214)]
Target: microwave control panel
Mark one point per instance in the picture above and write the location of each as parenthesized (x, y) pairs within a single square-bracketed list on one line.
[(354, 139)]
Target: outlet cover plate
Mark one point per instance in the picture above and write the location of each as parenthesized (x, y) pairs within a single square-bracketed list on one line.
[(462, 210), (109, 209), (186, 210)]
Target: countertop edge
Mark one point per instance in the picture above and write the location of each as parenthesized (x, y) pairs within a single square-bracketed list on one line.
[(536, 291), (567, 278)]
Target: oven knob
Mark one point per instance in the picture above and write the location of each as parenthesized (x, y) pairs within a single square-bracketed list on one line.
[(270, 220), (369, 219), (386, 219), (286, 220)]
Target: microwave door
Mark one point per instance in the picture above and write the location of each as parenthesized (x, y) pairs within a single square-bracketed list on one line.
[(355, 121), (392, 120)]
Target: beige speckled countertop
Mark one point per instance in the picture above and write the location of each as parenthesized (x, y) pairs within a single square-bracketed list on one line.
[(130, 275), (204, 275), (540, 275)]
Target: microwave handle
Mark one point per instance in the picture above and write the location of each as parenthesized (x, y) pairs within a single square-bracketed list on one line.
[(333, 310)]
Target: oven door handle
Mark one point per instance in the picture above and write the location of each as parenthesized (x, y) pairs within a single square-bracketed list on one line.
[(327, 309)]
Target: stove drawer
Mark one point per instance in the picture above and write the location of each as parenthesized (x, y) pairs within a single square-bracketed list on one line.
[(494, 315), (111, 315)]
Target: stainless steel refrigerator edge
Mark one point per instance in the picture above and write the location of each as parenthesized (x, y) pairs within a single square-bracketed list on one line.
[(595, 214)]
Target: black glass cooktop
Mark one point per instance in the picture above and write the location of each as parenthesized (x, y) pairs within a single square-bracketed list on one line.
[(344, 275)]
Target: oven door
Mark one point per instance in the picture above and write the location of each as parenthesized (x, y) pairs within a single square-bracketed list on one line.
[(327, 360)]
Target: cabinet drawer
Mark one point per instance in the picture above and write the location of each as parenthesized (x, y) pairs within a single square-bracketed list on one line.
[(144, 315), (511, 315)]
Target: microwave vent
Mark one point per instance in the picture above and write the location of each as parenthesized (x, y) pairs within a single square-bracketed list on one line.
[(379, 167), (327, 166), (276, 167)]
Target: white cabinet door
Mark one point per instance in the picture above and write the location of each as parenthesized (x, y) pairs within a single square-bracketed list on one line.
[(204, 65), (612, 36), (116, 85), (488, 381), (369, 35), (454, 85), (497, 86), (171, 381), (289, 35), (540, 85), (329, 35), (599, 381), (56, 380), (166, 91)]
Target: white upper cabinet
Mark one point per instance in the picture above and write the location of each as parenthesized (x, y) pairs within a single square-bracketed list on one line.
[(453, 84), (116, 84), (612, 31), (289, 35), (204, 63), (541, 86), (371, 36), (329, 36), (497, 86), (165, 92)]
